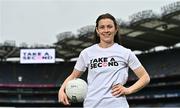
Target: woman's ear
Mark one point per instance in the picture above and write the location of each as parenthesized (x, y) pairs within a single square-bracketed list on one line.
[(117, 29), (97, 31)]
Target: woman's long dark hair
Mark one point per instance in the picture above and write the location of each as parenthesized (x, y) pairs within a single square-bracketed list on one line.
[(105, 16)]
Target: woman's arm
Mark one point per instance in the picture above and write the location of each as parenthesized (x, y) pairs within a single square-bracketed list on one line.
[(62, 97), (143, 80)]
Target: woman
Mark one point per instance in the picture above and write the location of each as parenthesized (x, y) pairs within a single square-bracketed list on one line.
[(107, 63)]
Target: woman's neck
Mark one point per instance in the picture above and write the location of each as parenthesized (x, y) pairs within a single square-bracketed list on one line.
[(105, 45)]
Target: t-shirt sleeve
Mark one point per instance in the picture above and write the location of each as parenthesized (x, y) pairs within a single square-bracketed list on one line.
[(133, 61), (80, 63)]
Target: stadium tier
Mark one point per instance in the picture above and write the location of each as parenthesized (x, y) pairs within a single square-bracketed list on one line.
[(39, 83)]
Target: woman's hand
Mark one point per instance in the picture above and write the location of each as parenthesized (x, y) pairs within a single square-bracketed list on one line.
[(62, 97), (118, 90)]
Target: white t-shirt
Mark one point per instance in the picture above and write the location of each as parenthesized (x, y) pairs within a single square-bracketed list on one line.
[(106, 67)]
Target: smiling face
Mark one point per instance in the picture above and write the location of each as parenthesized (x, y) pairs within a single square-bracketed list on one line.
[(106, 30)]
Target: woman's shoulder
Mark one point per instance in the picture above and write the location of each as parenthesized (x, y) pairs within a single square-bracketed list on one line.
[(121, 47), (89, 48)]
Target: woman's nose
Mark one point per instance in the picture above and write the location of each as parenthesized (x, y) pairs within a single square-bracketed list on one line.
[(106, 29)]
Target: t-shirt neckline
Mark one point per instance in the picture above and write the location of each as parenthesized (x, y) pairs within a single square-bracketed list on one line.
[(97, 45)]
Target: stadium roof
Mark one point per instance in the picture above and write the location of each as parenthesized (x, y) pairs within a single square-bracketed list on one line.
[(145, 31)]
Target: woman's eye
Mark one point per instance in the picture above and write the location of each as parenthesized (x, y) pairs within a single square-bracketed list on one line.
[(109, 26), (101, 27)]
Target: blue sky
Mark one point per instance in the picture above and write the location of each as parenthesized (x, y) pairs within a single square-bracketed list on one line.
[(39, 21)]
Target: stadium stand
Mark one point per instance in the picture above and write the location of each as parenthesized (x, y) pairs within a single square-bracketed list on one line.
[(38, 84), (163, 68)]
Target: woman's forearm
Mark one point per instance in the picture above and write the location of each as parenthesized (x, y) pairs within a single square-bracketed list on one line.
[(139, 84), (73, 75)]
